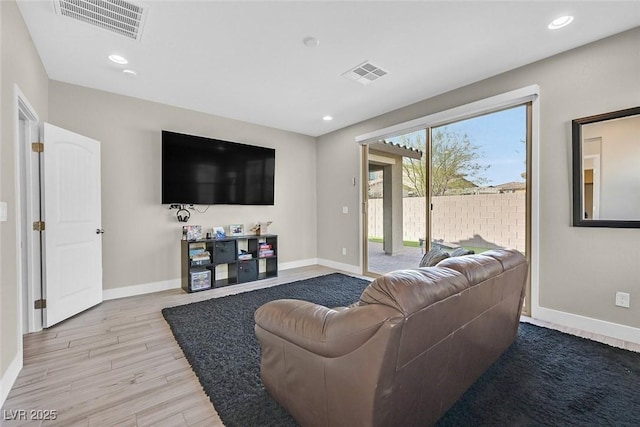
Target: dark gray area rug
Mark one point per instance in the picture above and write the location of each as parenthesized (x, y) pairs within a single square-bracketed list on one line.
[(546, 378)]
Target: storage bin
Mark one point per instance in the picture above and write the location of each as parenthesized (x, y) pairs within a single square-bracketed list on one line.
[(200, 279), (225, 251), (247, 271)]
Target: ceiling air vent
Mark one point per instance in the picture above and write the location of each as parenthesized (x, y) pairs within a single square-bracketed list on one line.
[(365, 73), (118, 16)]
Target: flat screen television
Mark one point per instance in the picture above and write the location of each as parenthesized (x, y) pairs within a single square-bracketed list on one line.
[(205, 171)]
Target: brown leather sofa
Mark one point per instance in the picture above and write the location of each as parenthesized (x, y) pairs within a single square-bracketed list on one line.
[(400, 356)]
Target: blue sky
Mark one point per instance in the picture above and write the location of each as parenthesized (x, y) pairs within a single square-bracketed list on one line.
[(499, 136)]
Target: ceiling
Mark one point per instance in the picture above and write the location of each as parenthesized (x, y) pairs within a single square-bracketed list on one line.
[(247, 60)]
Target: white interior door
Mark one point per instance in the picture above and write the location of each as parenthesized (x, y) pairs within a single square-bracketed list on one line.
[(72, 239)]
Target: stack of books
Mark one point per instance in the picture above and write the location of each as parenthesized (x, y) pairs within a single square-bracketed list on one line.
[(244, 255), (199, 255), (265, 250)]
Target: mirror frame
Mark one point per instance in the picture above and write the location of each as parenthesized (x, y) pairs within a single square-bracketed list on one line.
[(576, 131)]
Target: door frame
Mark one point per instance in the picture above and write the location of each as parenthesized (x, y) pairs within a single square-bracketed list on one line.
[(596, 185), (27, 200)]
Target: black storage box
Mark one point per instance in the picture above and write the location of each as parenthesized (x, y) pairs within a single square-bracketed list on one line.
[(247, 271), (224, 251)]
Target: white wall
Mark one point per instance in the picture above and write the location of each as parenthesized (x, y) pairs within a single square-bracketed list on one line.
[(141, 244), (580, 268), (20, 66)]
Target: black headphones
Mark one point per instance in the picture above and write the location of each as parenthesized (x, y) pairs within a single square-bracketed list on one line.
[(183, 214)]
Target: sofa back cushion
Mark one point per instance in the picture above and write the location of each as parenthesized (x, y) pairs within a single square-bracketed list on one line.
[(476, 268), (410, 290)]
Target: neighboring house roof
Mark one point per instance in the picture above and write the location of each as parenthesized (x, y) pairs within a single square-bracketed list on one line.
[(512, 186)]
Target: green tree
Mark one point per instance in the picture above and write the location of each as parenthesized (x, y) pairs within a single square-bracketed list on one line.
[(454, 159)]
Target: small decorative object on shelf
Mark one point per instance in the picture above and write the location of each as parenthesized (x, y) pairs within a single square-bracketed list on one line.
[(218, 233), (261, 228), (236, 230), (193, 232)]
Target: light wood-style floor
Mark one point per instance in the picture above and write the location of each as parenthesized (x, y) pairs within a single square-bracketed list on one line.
[(118, 364)]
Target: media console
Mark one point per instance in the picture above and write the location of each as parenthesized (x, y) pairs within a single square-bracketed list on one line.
[(245, 259)]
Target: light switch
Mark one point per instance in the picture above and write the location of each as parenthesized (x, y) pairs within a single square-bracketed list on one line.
[(3, 211), (345, 209)]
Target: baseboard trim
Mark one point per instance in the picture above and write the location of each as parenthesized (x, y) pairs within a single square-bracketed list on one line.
[(353, 269), (9, 378), (146, 288), (588, 324), (297, 264)]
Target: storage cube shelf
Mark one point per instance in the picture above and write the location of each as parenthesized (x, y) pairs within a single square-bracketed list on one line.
[(204, 261)]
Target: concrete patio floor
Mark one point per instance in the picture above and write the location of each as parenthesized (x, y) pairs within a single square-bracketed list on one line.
[(381, 263)]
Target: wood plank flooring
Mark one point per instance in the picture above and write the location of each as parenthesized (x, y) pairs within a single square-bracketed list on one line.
[(118, 364)]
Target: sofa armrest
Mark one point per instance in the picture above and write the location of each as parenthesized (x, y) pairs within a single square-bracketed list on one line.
[(322, 330)]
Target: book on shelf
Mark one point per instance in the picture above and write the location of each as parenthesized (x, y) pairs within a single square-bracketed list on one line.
[(266, 253), (199, 258), (244, 257), (265, 246), (197, 248)]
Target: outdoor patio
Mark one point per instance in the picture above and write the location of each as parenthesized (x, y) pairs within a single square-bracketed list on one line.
[(379, 262)]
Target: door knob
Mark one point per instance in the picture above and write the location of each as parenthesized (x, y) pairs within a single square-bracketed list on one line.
[(99, 231)]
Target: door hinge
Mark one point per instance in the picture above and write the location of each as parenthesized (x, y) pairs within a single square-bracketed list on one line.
[(39, 304), (37, 147), (38, 226)]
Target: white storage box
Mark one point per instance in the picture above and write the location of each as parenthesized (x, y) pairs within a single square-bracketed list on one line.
[(200, 280)]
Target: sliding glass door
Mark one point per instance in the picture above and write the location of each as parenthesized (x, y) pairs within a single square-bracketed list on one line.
[(479, 186), (460, 185), (480, 183), (396, 203)]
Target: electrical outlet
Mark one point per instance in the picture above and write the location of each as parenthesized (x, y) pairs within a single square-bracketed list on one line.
[(344, 251), (345, 209), (622, 299)]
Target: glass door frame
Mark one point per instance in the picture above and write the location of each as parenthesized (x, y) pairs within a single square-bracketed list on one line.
[(527, 309)]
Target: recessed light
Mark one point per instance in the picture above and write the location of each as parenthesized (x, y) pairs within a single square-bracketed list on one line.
[(560, 22), (327, 118), (311, 42), (129, 73), (118, 59)]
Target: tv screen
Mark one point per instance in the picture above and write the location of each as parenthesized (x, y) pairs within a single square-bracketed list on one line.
[(205, 171)]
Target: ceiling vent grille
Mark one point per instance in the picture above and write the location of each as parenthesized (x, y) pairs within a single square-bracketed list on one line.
[(365, 73), (118, 16)]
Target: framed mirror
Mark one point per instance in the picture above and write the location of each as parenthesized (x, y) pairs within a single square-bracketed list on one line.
[(606, 170)]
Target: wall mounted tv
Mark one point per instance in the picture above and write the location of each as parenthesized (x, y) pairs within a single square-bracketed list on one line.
[(205, 171)]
